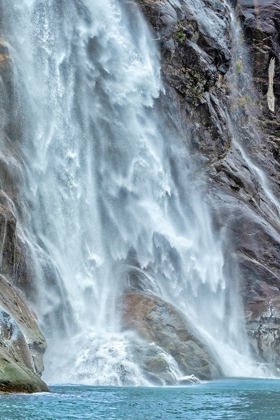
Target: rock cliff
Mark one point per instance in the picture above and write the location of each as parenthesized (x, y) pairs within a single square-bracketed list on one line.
[(232, 120), (22, 344)]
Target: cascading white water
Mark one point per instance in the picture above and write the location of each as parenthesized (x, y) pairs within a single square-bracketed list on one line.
[(110, 189)]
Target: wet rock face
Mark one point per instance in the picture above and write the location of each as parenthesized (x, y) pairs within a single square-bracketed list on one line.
[(17, 370), (195, 44), (194, 53), (260, 21), (258, 235), (13, 257), (201, 66), (13, 302), (160, 323), (22, 344), (264, 331)]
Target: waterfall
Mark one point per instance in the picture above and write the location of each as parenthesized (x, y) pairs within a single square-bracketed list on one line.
[(110, 192)]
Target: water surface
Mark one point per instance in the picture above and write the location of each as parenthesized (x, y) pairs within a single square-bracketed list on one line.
[(228, 399)]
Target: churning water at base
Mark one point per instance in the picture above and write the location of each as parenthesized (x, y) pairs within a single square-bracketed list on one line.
[(110, 193)]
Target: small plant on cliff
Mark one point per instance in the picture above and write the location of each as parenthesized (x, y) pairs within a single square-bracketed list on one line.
[(181, 36), (238, 66), (249, 100)]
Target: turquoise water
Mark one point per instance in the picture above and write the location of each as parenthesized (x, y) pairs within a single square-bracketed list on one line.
[(230, 399)]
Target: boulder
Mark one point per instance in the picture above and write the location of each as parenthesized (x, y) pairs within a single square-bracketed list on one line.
[(22, 344), (17, 369), (13, 302), (160, 323), (263, 329)]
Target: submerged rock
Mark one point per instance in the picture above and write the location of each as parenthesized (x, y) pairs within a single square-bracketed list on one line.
[(160, 323), (189, 380)]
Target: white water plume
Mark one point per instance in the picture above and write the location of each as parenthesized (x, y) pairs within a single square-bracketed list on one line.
[(110, 189)]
